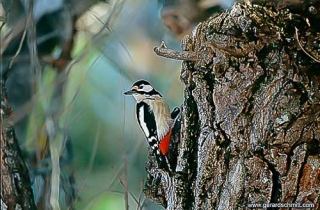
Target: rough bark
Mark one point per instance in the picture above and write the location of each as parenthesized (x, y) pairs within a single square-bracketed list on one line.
[(16, 190), (250, 127)]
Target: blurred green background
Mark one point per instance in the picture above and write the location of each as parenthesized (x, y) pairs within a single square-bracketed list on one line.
[(107, 142)]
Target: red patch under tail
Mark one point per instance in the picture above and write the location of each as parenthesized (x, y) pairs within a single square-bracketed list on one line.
[(165, 143)]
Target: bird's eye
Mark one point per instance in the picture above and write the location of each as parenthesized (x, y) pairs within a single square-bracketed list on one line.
[(141, 87)]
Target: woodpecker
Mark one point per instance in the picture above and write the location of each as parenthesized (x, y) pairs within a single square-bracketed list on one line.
[(154, 117)]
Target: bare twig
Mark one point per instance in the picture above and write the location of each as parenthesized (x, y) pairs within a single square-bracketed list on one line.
[(105, 26), (107, 188), (302, 48), (92, 157), (12, 34), (47, 36), (163, 51), (123, 185), (19, 49), (139, 206), (2, 25)]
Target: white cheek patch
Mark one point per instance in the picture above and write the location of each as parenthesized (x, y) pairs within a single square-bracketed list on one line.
[(147, 88), (138, 97), (142, 122)]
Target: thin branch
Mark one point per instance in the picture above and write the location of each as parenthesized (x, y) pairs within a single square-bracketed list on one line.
[(297, 37), (91, 161), (47, 36), (163, 51), (19, 49), (123, 185), (2, 25), (139, 206), (106, 188), (17, 29)]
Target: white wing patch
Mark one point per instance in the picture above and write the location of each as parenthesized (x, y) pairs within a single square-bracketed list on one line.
[(142, 122)]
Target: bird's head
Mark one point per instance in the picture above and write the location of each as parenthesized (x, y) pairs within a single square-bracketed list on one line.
[(142, 90)]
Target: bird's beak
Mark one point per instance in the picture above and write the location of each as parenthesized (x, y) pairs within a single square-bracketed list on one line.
[(132, 91), (129, 92)]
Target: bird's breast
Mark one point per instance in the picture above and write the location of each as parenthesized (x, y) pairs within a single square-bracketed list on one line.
[(162, 117)]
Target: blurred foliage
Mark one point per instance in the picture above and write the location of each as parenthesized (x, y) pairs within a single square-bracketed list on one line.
[(106, 140)]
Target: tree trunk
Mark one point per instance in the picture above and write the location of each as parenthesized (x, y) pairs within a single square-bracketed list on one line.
[(250, 127), (16, 190)]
